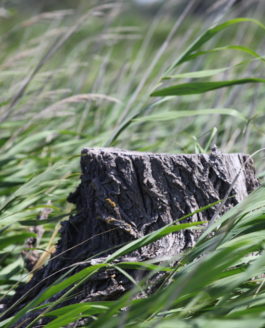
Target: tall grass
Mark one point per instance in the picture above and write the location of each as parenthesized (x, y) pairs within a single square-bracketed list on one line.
[(85, 77)]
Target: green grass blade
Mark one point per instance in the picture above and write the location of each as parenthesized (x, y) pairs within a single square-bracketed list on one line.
[(54, 289), (15, 239), (209, 34), (150, 238), (201, 87), (197, 74), (168, 116), (229, 47), (71, 313)]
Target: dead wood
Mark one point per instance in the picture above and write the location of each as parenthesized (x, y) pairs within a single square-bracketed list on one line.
[(124, 195)]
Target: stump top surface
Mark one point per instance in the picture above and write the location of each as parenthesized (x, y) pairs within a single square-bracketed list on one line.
[(118, 151)]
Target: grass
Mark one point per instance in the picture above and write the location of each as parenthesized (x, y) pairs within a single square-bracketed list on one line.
[(105, 76)]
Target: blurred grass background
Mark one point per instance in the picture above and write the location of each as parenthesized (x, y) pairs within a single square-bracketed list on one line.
[(77, 74)]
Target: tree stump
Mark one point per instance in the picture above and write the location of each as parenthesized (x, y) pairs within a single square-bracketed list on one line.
[(124, 195)]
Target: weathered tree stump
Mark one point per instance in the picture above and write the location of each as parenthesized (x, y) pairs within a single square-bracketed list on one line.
[(124, 195)]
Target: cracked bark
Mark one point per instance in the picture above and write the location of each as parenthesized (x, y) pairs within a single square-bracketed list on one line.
[(124, 195)]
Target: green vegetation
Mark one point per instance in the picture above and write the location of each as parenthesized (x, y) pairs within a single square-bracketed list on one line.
[(105, 76)]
